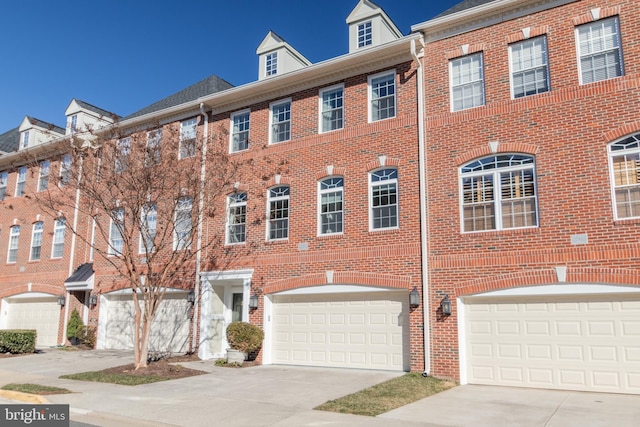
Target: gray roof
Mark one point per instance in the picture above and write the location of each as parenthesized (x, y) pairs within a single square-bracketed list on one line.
[(49, 126), (211, 84), (10, 140), (97, 110), (463, 5), (82, 273)]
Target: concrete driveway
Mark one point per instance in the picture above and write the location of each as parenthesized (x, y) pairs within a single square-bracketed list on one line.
[(284, 396)]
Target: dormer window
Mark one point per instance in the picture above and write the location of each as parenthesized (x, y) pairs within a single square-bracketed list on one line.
[(272, 64), (364, 34), (25, 139)]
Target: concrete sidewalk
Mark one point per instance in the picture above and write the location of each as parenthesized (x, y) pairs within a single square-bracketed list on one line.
[(284, 396)]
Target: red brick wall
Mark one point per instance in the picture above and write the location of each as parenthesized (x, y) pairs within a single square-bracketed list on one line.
[(567, 131)]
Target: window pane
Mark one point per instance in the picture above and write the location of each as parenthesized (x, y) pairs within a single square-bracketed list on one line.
[(600, 53), (467, 82), (383, 99)]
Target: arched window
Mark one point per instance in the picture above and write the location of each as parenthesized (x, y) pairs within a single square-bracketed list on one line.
[(383, 199), (278, 205), (330, 209), (624, 161), (499, 192)]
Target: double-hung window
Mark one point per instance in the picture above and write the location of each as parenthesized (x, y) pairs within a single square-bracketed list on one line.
[(14, 237), (148, 225), (43, 176), (188, 138), (4, 176), (123, 149), (331, 196), (364, 34), (271, 64), (280, 121), (183, 224), (382, 96), (152, 156), (624, 161), (116, 228), (332, 108), (278, 223), (237, 218), (25, 139), (467, 82), (65, 169), (529, 67), (599, 50), (240, 124), (499, 192), (20, 182), (36, 241), (383, 199), (57, 248)]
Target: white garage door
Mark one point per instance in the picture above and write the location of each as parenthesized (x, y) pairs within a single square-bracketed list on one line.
[(169, 331), (356, 330), (41, 314), (574, 343)]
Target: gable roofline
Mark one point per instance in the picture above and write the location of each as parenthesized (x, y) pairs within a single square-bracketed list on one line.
[(357, 15), (90, 107), (46, 126), (272, 42), (474, 14)]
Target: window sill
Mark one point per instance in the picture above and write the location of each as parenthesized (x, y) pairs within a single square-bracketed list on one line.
[(504, 232), (385, 230), (626, 221), (276, 242), (331, 236), (235, 244)]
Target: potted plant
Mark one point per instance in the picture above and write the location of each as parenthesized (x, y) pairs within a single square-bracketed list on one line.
[(75, 326), (243, 338)]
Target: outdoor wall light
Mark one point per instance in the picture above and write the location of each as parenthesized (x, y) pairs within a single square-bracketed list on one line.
[(445, 305), (253, 302), (191, 297), (414, 297), (61, 300), (93, 300)]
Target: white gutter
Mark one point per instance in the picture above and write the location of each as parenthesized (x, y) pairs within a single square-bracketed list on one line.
[(424, 230), (203, 170)]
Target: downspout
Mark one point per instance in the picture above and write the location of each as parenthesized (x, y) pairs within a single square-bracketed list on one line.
[(422, 162), (76, 208), (203, 169)]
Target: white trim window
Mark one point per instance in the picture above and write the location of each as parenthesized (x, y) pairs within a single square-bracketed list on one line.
[(599, 50), (183, 224), (498, 193), (467, 82), (332, 108), (4, 177), (36, 241), (25, 139), (188, 138), (148, 226), (237, 218), (278, 215), (271, 64), (383, 199), (116, 241), (382, 96), (21, 180), (14, 238), (529, 67), (59, 228), (43, 176), (240, 125), (365, 34), (73, 123), (624, 163), (123, 149), (280, 121), (65, 170), (330, 206), (153, 153)]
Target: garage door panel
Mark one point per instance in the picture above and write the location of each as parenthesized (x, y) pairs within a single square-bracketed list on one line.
[(587, 344), (342, 330), (41, 314)]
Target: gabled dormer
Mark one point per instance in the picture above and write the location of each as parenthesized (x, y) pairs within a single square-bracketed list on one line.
[(370, 26), (35, 132), (83, 117), (277, 57)]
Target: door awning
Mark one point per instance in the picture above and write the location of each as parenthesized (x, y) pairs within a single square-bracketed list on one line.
[(81, 279)]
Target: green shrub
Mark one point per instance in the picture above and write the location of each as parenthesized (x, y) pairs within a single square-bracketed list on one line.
[(75, 326), (244, 337), (18, 341)]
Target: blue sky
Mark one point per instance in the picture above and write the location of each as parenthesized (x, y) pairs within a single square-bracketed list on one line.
[(122, 55)]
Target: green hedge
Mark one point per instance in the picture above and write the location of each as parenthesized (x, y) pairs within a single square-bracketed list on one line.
[(18, 341)]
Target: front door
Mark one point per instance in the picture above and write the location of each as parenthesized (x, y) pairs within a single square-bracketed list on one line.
[(225, 305), (236, 307)]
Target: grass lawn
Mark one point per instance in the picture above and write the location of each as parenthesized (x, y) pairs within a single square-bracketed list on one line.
[(388, 395), (122, 379), (35, 389)]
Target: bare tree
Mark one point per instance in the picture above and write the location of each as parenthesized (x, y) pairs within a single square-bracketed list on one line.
[(146, 194)]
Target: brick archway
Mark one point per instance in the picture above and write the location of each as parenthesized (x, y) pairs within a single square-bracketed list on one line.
[(340, 277)]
